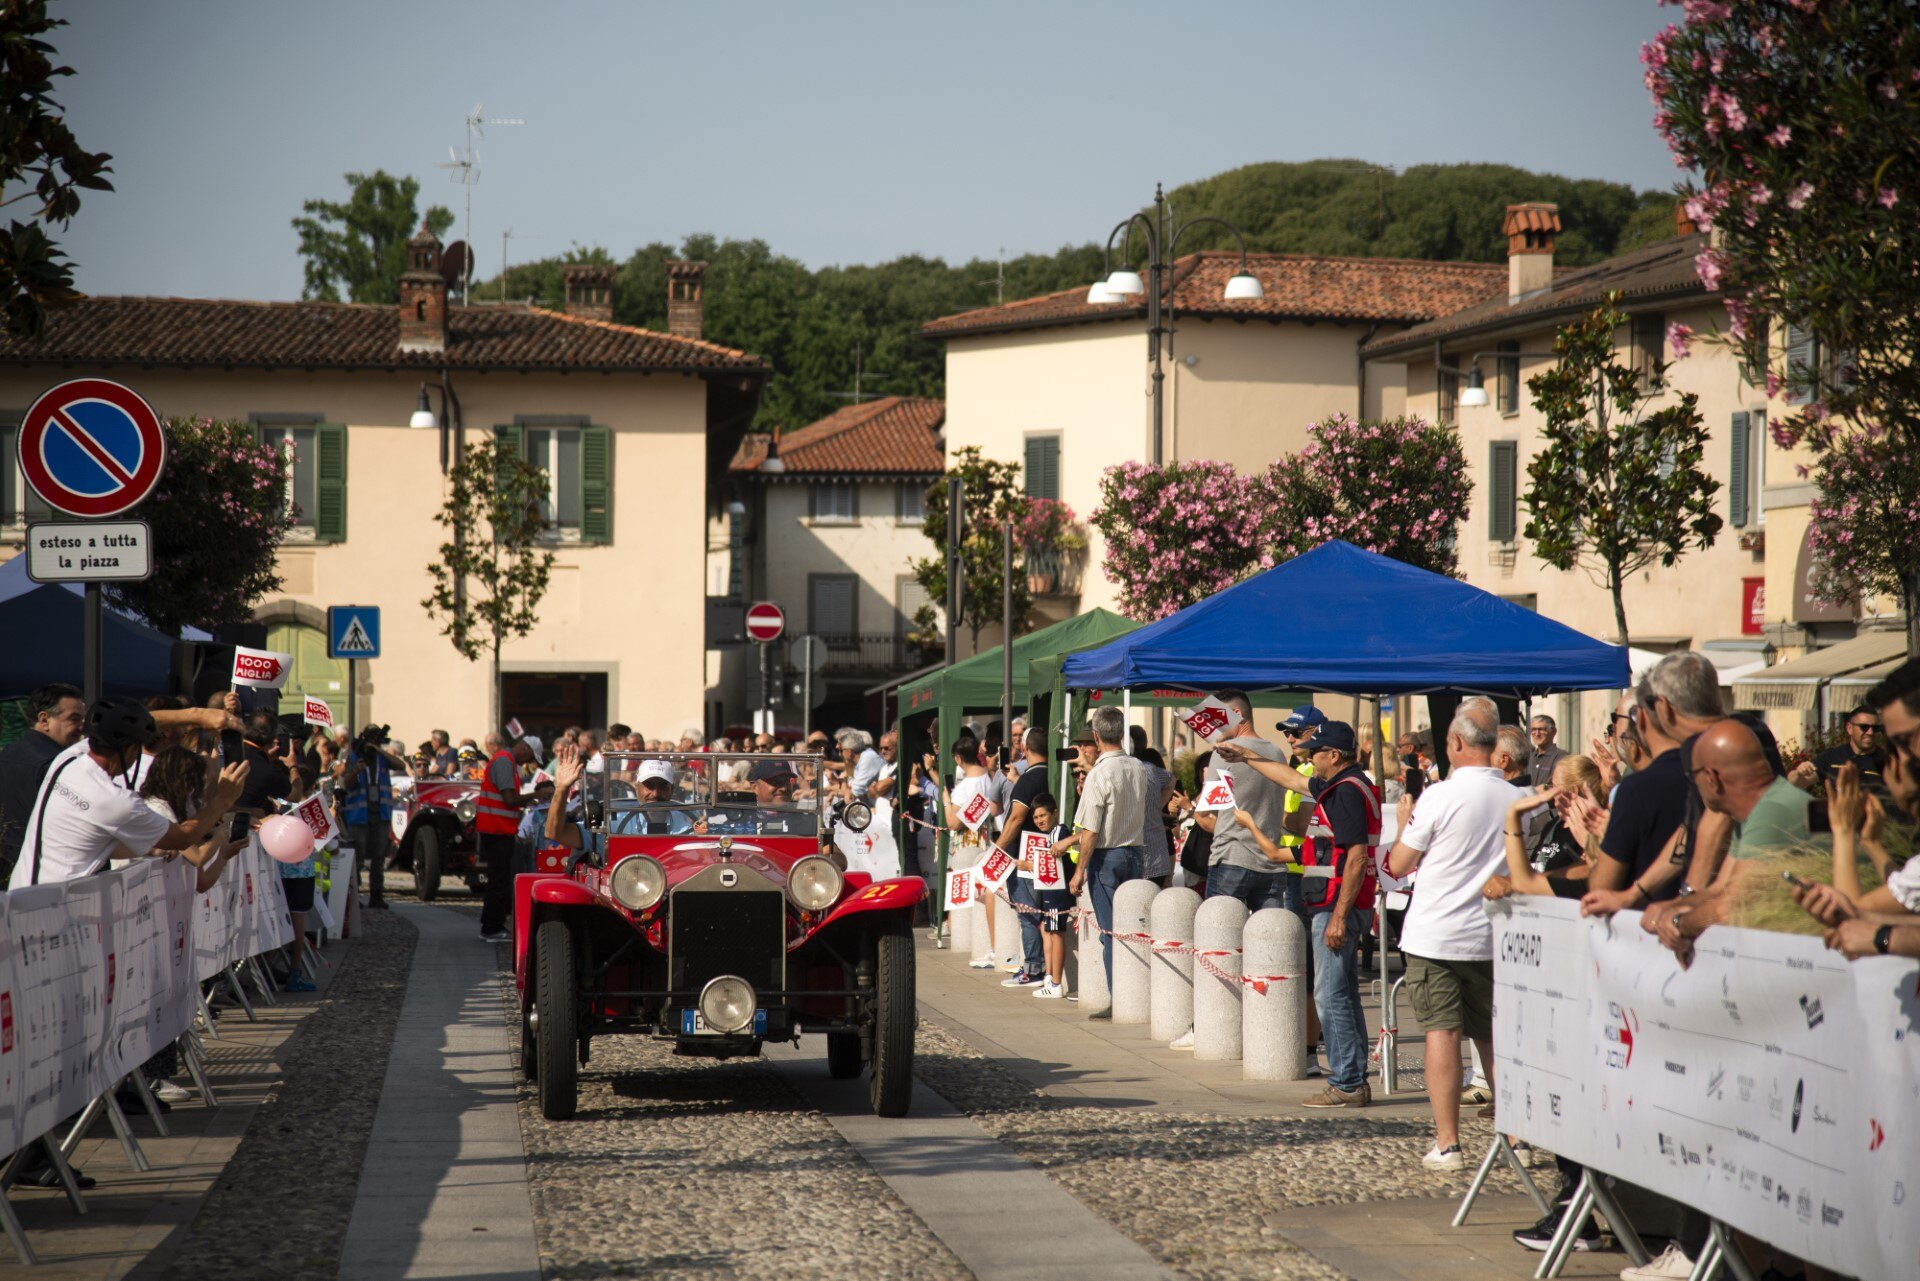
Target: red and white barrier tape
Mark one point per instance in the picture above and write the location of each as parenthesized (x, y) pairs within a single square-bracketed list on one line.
[(1258, 982)]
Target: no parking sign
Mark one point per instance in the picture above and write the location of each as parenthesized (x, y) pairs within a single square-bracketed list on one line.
[(92, 448)]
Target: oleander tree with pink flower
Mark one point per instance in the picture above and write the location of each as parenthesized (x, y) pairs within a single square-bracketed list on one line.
[(218, 515), (1800, 120), (1177, 533), (1398, 487)]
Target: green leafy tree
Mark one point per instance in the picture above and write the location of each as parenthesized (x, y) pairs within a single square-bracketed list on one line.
[(993, 495), (1803, 125), (217, 515), (1397, 487), (492, 571), (360, 245), (37, 148), (1617, 486)]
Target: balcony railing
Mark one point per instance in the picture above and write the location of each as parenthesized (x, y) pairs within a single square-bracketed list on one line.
[(1052, 572), (877, 654)]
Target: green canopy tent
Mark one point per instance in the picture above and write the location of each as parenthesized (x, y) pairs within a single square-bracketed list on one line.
[(950, 693)]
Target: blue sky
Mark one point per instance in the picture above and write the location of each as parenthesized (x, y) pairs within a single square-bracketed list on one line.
[(837, 132)]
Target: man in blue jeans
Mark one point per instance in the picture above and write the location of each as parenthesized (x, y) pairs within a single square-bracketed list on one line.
[(1029, 787), (1109, 828)]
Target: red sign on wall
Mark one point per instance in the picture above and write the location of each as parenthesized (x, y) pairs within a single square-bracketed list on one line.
[(1753, 606)]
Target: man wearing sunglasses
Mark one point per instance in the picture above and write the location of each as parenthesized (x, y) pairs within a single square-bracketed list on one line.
[(1863, 750)]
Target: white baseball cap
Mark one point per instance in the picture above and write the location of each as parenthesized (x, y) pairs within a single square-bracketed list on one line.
[(655, 770)]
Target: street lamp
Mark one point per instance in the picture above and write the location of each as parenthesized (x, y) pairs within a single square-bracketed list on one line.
[(1474, 395), (448, 420), (1119, 286)]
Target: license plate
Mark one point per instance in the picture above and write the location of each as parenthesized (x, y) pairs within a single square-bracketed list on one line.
[(693, 1023)]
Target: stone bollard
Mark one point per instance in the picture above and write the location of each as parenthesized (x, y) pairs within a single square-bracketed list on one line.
[(1273, 1025), (1216, 1002), (1090, 974), (1131, 903), (1170, 978)]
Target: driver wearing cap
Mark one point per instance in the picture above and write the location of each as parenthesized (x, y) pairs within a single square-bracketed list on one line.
[(777, 811), (655, 781)]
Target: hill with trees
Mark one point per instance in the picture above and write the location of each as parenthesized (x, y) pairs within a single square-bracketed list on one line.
[(810, 323)]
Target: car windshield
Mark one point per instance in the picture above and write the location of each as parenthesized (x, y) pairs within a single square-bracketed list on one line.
[(675, 792)]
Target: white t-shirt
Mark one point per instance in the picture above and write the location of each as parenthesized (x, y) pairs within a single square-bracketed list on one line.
[(1904, 884), (1460, 827), (89, 817), (964, 790)]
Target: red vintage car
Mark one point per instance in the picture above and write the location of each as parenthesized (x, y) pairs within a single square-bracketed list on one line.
[(718, 916), (438, 840)]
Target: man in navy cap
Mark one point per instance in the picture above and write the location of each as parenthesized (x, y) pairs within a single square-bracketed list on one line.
[(773, 782)]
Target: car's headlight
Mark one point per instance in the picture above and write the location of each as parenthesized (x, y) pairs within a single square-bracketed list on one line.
[(638, 882), (464, 809), (814, 883), (727, 1004)]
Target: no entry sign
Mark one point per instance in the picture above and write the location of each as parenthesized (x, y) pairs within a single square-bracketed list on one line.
[(765, 622), (92, 448)]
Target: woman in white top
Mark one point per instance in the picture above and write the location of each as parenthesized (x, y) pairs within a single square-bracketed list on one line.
[(972, 778)]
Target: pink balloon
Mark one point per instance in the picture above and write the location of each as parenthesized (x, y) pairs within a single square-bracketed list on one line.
[(286, 838)]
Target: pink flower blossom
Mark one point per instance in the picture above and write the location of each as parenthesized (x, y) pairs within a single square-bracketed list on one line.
[(1780, 137), (1709, 268), (1889, 197), (1678, 338), (1800, 195)]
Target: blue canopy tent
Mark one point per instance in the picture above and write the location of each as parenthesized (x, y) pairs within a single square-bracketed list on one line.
[(41, 623), (1340, 620)]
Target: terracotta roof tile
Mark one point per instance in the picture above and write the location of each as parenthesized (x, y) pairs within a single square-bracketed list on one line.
[(1297, 286), (1663, 269), (892, 436), (197, 331)]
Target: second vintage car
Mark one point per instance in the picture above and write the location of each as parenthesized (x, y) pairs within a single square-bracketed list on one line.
[(704, 905)]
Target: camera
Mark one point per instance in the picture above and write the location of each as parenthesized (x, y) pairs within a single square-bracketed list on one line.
[(373, 735)]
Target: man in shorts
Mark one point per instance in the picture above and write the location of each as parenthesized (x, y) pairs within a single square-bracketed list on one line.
[(1457, 838)]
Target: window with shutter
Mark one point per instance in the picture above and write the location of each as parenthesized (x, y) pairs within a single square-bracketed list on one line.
[(316, 458), (1757, 463), (830, 606), (330, 483), (1803, 365), (1649, 346), (1503, 468), (596, 485), (910, 504), (1738, 470), (1509, 367), (1449, 396), (833, 501), (911, 597), (1043, 466)]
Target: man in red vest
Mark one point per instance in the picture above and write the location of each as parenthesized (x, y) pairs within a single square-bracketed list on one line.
[(496, 820)]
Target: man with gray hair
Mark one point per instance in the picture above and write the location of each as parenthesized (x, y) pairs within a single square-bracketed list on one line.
[(1457, 839), (862, 762), (1547, 754), (1109, 828)]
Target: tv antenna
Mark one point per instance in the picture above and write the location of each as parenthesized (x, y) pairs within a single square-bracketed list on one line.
[(465, 167)]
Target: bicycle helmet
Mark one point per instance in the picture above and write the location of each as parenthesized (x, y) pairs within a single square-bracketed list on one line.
[(119, 723)]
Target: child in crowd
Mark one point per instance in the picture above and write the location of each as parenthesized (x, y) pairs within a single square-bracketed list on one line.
[(1055, 903)]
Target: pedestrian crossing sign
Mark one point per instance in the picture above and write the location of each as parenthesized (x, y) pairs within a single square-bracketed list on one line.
[(353, 631)]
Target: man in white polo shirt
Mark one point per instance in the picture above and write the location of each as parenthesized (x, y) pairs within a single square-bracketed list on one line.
[(85, 812), (1457, 839)]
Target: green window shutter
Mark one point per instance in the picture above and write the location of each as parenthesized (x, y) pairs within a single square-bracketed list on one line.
[(1739, 482), (1043, 467), (330, 482), (1503, 467), (509, 443), (596, 485), (1800, 365)]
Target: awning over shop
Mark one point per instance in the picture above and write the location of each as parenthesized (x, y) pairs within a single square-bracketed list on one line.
[(1796, 683), (1856, 684)]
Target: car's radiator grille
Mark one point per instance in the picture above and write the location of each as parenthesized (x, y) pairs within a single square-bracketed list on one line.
[(715, 933)]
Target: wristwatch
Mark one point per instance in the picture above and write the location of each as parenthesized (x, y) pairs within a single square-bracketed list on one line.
[(1883, 939)]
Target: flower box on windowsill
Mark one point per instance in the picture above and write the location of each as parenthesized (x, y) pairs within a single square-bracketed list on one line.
[(1753, 540)]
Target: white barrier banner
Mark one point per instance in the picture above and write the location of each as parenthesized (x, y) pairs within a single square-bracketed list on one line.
[(1769, 1085)]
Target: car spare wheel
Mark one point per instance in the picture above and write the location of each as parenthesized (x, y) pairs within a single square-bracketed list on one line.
[(426, 862), (557, 1037), (843, 1055), (891, 1089)]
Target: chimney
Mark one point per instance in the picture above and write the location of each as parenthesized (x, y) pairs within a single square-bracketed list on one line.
[(683, 298), (423, 296), (1529, 229), (1682, 224), (589, 291)]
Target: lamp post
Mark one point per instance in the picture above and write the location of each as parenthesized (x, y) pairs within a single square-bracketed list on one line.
[(1163, 237), (451, 435), (1474, 395)]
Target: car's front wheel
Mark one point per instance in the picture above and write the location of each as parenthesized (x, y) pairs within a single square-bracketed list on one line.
[(843, 1055), (891, 1088), (557, 1040), (426, 862), (529, 1048)]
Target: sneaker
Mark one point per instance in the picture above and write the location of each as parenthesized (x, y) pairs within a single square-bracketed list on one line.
[(1476, 1094), (1441, 1159), (1336, 1098), (1106, 1014), (1540, 1235), (1013, 965), (298, 984), (1020, 979), (1182, 1042), (1313, 1066), (495, 936), (1073, 996), (1672, 1265), (984, 962), (167, 1092), (1048, 991)]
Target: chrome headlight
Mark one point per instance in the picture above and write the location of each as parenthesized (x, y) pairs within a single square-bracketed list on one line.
[(638, 882), (858, 816), (727, 1004), (464, 809), (814, 883)]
